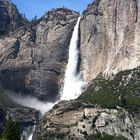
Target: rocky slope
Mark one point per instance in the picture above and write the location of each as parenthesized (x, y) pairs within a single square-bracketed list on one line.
[(10, 18), (34, 57), (110, 37), (108, 109), (82, 121)]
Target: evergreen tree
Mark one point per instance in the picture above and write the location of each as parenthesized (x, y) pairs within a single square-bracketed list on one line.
[(11, 131)]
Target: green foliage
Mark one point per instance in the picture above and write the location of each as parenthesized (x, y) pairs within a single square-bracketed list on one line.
[(11, 131), (122, 90), (104, 136), (36, 20)]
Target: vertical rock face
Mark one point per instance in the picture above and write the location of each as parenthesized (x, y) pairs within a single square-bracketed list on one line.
[(110, 35), (51, 54), (9, 17), (33, 59)]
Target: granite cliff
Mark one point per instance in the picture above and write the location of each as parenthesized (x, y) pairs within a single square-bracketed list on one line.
[(10, 18), (33, 58), (109, 107), (110, 36)]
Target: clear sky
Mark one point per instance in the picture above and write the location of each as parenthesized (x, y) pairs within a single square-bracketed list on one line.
[(39, 7)]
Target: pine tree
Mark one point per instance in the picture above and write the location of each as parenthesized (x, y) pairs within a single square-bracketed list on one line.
[(11, 131)]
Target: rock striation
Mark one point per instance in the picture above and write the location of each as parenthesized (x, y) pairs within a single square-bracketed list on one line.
[(76, 120), (33, 57), (53, 37), (10, 18), (110, 34)]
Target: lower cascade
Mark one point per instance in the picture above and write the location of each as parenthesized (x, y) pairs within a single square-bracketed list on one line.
[(31, 134), (73, 82)]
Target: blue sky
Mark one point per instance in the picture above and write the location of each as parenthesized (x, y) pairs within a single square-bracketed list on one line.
[(39, 7)]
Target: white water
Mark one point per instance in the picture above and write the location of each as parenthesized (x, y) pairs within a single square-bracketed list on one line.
[(30, 137), (32, 102), (73, 83), (31, 134)]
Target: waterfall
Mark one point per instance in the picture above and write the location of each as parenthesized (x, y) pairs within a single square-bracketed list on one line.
[(31, 134), (30, 137), (31, 102), (73, 82)]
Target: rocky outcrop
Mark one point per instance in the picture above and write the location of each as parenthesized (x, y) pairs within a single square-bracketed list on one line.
[(24, 116), (10, 18), (78, 120), (53, 36), (33, 59), (109, 37), (108, 109)]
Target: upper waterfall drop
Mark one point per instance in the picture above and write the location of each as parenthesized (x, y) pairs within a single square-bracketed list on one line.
[(73, 83)]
